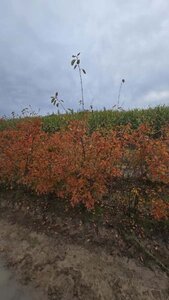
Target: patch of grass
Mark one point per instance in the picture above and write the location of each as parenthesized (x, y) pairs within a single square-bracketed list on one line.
[(156, 117)]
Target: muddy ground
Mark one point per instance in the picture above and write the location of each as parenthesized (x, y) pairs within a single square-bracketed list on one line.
[(68, 259)]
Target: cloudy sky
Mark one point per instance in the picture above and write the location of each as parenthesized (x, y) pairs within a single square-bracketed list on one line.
[(117, 39)]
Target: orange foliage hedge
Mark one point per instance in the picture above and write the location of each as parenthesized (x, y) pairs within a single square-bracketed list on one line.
[(79, 166)]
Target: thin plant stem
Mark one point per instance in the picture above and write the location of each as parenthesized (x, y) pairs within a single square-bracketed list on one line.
[(118, 102), (63, 107), (81, 84)]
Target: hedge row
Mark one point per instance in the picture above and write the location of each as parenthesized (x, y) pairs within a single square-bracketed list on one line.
[(81, 166)]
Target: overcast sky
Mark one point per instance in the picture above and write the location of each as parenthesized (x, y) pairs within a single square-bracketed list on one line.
[(117, 39)]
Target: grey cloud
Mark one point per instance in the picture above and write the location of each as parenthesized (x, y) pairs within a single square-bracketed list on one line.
[(117, 39)]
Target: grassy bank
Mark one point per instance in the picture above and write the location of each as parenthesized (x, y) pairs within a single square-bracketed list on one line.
[(156, 117)]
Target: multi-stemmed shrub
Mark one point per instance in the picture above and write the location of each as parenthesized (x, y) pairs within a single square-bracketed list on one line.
[(82, 166)]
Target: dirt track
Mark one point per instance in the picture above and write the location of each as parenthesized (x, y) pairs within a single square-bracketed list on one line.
[(69, 271), (64, 258)]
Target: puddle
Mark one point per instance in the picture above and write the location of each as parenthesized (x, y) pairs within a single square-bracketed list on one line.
[(11, 290)]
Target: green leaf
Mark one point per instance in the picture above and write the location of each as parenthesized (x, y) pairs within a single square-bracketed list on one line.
[(84, 71), (78, 54), (53, 101), (73, 61), (75, 66), (78, 61), (71, 110), (73, 55)]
